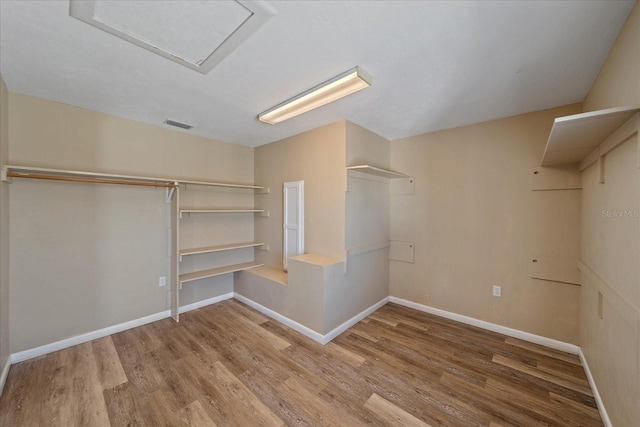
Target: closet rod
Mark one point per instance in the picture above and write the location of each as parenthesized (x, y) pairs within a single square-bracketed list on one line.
[(91, 180)]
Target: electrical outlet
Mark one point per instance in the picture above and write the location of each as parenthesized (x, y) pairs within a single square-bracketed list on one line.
[(162, 281), (497, 291)]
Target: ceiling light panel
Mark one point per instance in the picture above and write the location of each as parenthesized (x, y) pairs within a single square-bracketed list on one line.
[(196, 34), (339, 86)]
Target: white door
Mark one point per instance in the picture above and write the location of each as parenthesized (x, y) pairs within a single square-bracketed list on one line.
[(293, 241)]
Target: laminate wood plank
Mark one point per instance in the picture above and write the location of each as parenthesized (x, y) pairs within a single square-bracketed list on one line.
[(124, 405), (551, 414), (110, 369), (194, 415), (570, 384), (580, 409), (290, 411), (181, 342), (342, 379), (452, 410), (248, 352), (318, 409), (349, 357), (437, 321), (247, 407), (362, 334), (347, 403), (177, 392), (247, 312), (521, 380), (89, 408), (391, 413), (477, 395), (556, 354), (260, 334), (156, 411), (570, 376), (57, 380), (382, 319), (18, 403)]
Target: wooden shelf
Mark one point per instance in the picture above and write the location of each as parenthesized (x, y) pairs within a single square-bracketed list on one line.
[(372, 170), (189, 277), (573, 138), (219, 248), (28, 170), (221, 184), (190, 211)]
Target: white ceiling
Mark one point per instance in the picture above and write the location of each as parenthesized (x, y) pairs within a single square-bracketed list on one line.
[(434, 64)]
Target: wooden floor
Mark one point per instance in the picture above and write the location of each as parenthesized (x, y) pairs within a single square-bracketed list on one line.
[(226, 364)]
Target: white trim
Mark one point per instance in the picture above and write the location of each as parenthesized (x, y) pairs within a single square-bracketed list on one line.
[(205, 302), (280, 318), (308, 332), (515, 333), (298, 227), (592, 382), (109, 330), (79, 339), (5, 373), (355, 319)]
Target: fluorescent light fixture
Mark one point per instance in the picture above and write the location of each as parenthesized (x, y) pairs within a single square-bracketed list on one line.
[(345, 84)]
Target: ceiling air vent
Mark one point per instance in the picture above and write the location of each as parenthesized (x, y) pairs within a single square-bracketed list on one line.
[(177, 124)]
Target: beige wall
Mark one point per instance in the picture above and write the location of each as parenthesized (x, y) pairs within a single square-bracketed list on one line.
[(611, 244), (366, 148), (317, 157), (476, 223), (86, 256), (366, 223), (618, 83), (4, 230), (319, 294)]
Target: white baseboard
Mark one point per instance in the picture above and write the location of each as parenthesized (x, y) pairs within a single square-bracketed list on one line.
[(79, 339), (89, 336), (205, 302), (355, 319), (5, 373), (603, 411), (515, 333), (308, 332)]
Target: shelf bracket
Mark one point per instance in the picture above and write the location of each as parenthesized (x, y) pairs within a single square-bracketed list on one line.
[(4, 175), (170, 192)]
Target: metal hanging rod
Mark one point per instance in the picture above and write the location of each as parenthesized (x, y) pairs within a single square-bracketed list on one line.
[(92, 180), (9, 171)]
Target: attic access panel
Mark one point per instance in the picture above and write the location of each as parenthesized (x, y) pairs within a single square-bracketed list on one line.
[(195, 34)]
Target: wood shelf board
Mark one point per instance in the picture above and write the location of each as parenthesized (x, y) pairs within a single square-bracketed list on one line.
[(372, 170), (212, 272), (222, 184), (221, 211), (218, 248), (572, 138), (87, 174)]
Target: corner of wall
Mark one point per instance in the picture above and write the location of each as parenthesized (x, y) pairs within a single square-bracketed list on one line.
[(617, 83), (4, 238)]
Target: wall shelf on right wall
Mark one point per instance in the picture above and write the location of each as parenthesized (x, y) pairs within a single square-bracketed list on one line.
[(573, 138)]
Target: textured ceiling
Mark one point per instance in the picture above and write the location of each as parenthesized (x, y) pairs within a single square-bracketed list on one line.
[(434, 65)]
